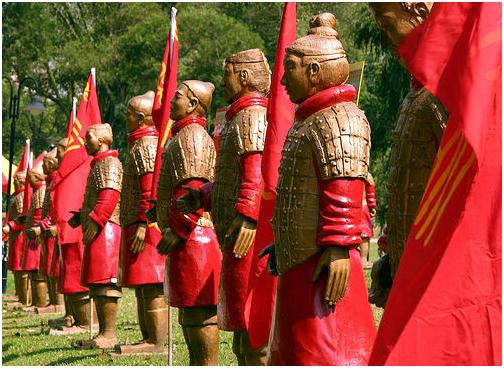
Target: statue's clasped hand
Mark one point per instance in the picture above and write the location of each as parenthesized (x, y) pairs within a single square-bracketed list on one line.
[(90, 232), (337, 261), (244, 231), (138, 243), (190, 202), (75, 220), (168, 242), (272, 262)]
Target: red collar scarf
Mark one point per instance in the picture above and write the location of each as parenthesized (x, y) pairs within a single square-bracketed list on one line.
[(188, 120), (148, 131), (243, 103), (17, 191), (37, 185), (325, 99), (102, 155)]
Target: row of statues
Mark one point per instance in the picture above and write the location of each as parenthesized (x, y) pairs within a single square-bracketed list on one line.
[(208, 205)]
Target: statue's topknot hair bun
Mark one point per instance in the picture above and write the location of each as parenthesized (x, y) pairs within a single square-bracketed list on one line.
[(323, 24)]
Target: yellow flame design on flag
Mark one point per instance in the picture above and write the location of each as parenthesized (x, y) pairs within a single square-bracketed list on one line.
[(160, 86), (75, 141)]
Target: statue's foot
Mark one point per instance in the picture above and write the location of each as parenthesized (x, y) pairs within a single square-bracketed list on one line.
[(30, 309), (65, 321), (10, 306), (50, 309), (141, 348), (72, 330), (10, 298), (99, 342)]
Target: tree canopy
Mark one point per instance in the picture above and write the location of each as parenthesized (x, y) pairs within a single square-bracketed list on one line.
[(58, 44)]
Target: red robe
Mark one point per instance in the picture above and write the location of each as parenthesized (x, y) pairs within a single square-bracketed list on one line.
[(16, 249), (31, 254), (368, 204)]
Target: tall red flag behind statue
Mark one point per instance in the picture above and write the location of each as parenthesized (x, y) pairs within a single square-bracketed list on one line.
[(280, 115), (445, 304), (28, 191), (165, 90), (70, 181)]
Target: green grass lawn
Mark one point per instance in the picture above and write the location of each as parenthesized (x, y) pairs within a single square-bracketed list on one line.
[(23, 342)]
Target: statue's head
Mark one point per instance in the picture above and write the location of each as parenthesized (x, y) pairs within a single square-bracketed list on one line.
[(192, 97), (36, 173), (397, 20), (245, 72), (19, 179), (315, 62), (50, 163), (139, 113), (61, 147), (98, 138)]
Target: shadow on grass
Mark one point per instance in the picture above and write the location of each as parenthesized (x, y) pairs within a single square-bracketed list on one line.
[(70, 360), (10, 357)]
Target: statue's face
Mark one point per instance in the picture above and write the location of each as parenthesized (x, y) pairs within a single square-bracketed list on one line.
[(60, 151), (34, 177), (296, 79), (132, 122), (393, 21), (19, 181), (180, 103), (92, 143), (49, 165), (231, 84)]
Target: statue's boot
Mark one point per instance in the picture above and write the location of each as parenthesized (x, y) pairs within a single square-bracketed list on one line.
[(204, 342), (67, 320), (106, 308), (13, 298), (237, 347), (39, 292), (155, 316), (56, 300), (81, 310), (15, 302), (254, 357)]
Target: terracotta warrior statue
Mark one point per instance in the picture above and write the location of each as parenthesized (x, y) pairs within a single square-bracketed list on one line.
[(99, 217), (368, 212), (77, 317), (15, 231), (235, 193), (49, 255), (194, 261), (322, 316), (141, 267), (420, 126), (32, 248)]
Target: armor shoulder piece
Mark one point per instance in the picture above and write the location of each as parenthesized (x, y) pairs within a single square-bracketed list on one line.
[(340, 139), (108, 174), (143, 153), (250, 127), (191, 155)]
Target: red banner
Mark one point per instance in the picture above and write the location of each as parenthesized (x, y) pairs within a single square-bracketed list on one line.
[(280, 115), (165, 90), (445, 306), (71, 178)]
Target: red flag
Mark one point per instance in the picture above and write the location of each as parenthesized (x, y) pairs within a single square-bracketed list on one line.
[(262, 286), (23, 163), (445, 304), (70, 181), (165, 90)]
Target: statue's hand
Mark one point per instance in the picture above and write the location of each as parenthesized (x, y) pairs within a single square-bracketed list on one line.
[(272, 262), (151, 213), (75, 220), (53, 231), (372, 212), (6, 229), (30, 233), (244, 231), (337, 261), (139, 238), (168, 242), (37, 231), (90, 232), (190, 202)]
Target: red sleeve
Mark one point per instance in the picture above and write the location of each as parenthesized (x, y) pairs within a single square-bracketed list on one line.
[(145, 182), (251, 185), (105, 205), (370, 196), (14, 226), (179, 223), (206, 196), (340, 211)]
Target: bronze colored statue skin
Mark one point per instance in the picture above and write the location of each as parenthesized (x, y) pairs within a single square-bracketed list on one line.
[(189, 162), (420, 126), (141, 267)]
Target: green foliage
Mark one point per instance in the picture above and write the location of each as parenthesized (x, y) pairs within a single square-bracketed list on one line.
[(58, 43)]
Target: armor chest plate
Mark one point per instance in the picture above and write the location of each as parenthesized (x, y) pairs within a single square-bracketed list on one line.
[(332, 143), (189, 154), (139, 161), (46, 206), (15, 209), (36, 203), (420, 127), (105, 174)]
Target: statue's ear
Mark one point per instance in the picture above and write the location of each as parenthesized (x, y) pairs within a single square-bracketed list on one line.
[(314, 72), (140, 116), (244, 77), (193, 104)]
